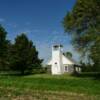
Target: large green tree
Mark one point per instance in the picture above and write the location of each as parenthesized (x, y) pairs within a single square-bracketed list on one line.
[(68, 54), (83, 24), (24, 56), (95, 54), (4, 44)]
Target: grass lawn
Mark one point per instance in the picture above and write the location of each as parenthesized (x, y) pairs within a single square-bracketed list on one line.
[(48, 87)]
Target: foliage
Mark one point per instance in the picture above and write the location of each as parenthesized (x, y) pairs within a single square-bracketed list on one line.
[(87, 68), (95, 54), (68, 54), (20, 56), (83, 24), (4, 44), (24, 56)]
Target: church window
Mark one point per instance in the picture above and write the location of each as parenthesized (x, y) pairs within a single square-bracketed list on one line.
[(55, 62), (66, 68)]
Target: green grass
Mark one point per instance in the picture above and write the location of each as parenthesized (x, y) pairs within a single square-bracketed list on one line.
[(48, 87)]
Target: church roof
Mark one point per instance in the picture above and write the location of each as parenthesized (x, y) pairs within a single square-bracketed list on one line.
[(65, 61), (71, 59)]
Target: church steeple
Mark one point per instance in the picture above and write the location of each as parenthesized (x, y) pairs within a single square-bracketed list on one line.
[(57, 64)]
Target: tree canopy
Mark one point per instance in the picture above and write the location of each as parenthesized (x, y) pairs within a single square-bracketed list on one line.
[(68, 54), (20, 56), (24, 55), (3, 48), (83, 24)]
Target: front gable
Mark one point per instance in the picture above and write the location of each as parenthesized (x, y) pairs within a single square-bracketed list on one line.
[(67, 60)]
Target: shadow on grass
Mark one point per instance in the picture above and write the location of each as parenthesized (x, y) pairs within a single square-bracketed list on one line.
[(14, 74), (94, 75)]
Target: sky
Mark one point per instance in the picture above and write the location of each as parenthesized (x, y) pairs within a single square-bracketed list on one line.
[(40, 20)]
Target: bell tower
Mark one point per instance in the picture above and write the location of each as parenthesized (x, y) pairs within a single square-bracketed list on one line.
[(57, 65)]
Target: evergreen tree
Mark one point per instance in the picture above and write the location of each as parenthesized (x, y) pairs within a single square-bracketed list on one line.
[(3, 49), (24, 55)]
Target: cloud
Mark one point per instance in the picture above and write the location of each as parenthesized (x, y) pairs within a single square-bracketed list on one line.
[(29, 31), (44, 45), (44, 39), (2, 19), (12, 25), (45, 50)]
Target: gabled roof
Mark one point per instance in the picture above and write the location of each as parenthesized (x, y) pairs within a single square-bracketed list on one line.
[(71, 59), (65, 61)]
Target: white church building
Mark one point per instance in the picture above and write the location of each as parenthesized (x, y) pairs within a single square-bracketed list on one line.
[(60, 64)]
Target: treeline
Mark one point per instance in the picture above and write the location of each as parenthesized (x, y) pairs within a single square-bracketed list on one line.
[(20, 56)]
